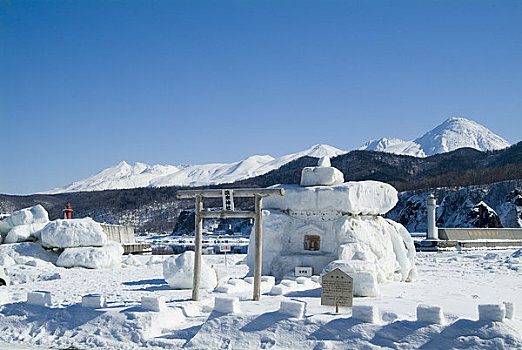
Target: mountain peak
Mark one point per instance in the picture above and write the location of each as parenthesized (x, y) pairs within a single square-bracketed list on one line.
[(451, 134), (458, 132)]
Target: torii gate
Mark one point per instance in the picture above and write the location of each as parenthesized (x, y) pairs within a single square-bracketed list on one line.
[(229, 212)]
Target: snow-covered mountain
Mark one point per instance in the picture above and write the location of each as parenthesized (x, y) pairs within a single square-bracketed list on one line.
[(124, 175), (452, 134)]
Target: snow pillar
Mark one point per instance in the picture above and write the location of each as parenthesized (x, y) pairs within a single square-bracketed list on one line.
[(432, 228)]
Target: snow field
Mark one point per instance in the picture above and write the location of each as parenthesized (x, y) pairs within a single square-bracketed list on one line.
[(457, 285)]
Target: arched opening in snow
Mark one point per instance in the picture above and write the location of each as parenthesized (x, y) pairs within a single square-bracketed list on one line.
[(312, 242), (2, 282)]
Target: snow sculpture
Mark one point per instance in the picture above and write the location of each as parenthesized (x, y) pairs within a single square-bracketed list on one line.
[(24, 224), (327, 226), (178, 271), (73, 233)]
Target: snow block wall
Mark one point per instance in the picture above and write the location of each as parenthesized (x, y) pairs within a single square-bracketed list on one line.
[(340, 224)]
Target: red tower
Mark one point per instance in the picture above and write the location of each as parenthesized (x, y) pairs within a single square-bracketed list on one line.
[(68, 211)]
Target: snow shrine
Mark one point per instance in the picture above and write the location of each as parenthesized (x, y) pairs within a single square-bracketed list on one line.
[(326, 223)]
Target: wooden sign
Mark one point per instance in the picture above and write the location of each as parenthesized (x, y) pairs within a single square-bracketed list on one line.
[(337, 289), (228, 200)]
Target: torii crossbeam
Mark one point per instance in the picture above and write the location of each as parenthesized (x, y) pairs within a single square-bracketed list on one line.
[(200, 214)]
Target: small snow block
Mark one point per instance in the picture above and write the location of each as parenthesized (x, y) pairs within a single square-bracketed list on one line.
[(94, 301), (269, 279), (277, 290), (155, 304), (302, 280), (510, 310), (491, 312), (289, 283), (39, 297), (366, 313), (430, 314), (293, 308), (227, 305)]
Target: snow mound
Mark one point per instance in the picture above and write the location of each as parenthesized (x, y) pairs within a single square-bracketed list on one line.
[(73, 233), (355, 197), (106, 257), (19, 253), (23, 233), (178, 271), (32, 215), (23, 225)]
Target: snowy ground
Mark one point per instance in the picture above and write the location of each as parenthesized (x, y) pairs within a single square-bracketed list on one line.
[(456, 281)]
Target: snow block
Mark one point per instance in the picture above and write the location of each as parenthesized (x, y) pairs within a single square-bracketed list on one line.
[(268, 280), (155, 304), (23, 233), (293, 308), (106, 257), (366, 313), (178, 271), (491, 312), (355, 197), (289, 283), (73, 233), (321, 176), (510, 310), (430, 314), (41, 298), (302, 280), (93, 301), (227, 305), (277, 290)]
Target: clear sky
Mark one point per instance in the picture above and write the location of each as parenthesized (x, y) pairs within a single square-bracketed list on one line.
[(87, 84)]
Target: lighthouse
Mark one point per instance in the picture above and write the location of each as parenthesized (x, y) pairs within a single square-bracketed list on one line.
[(67, 212), (432, 226)]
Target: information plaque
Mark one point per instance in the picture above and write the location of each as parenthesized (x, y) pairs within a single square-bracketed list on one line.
[(337, 289)]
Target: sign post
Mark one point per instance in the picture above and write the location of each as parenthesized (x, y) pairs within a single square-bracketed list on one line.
[(337, 289), (229, 212)]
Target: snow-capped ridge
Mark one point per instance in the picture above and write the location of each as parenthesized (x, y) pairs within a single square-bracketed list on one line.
[(124, 175)]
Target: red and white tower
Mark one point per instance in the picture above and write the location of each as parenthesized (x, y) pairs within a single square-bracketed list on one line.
[(67, 211)]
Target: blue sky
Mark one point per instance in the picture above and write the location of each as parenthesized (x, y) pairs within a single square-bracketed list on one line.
[(87, 84)]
